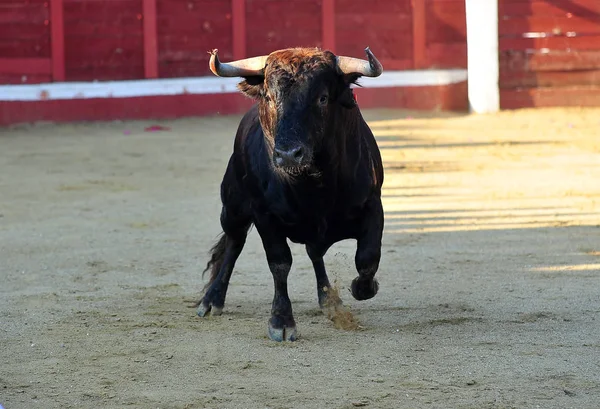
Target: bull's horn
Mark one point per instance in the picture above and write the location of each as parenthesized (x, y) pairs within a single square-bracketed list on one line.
[(240, 68), (349, 65)]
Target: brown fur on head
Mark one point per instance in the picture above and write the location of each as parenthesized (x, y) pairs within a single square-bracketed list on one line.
[(292, 64), (299, 92)]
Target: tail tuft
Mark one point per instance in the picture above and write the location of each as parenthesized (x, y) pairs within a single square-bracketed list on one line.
[(217, 253)]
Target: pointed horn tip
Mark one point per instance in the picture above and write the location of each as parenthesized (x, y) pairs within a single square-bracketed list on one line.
[(378, 68), (214, 60)]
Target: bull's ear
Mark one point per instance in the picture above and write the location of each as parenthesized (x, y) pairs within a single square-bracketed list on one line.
[(351, 78), (346, 97), (252, 86)]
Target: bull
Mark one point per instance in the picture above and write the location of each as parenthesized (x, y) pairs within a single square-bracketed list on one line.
[(305, 167)]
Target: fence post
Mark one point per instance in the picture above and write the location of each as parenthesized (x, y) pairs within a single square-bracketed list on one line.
[(482, 55), (328, 25), (57, 36), (150, 40), (238, 22), (419, 22)]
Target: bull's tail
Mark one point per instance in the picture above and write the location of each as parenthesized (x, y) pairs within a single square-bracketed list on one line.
[(217, 253)]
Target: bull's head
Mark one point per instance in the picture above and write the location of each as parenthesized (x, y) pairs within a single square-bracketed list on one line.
[(299, 92)]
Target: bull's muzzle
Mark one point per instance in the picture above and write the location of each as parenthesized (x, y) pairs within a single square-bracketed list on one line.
[(293, 157)]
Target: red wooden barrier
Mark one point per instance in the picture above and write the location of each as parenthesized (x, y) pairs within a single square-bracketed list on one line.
[(134, 39), (446, 34), (104, 40), (188, 29), (549, 53), (549, 49), (25, 42), (98, 40)]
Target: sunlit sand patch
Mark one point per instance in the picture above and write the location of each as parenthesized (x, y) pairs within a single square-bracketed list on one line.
[(487, 213), (578, 267), (482, 226)]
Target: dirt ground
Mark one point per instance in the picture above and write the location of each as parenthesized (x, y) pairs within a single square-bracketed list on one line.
[(489, 284)]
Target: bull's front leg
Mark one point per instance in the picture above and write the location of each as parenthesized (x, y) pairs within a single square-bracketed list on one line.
[(368, 251), (315, 253), (282, 326)]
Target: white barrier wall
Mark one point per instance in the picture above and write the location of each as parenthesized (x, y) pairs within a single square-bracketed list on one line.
[(482, 54)]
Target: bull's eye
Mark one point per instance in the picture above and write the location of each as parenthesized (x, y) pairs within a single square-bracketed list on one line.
[(323, 99)]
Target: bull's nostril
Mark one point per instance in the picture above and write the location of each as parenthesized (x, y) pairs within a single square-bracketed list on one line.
[(279, 157), (298, 153)]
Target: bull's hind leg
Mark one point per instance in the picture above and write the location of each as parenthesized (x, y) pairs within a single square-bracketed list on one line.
[(282, 326), (224, 255), (368, 252)]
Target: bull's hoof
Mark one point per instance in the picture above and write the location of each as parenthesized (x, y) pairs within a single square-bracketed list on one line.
[(285, 332), (205, 309), (282, 334), (364, 289)]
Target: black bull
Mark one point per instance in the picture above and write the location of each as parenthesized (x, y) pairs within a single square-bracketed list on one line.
[(305, 167)]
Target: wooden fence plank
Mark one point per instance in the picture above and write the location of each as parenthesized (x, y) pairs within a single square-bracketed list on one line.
[(447, 55), (512, 79), (395, 64), (551, 43), (551, 25), (553, 61), (7, 79), (277, 24), (446, 21), (23, 13), (390, 36), (549, 97), (377, 21), (106, 40), (187, 30), (540, 8), (25, 66), (375, 6)]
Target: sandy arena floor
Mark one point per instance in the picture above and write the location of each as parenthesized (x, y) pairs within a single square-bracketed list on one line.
[(490, 278)]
